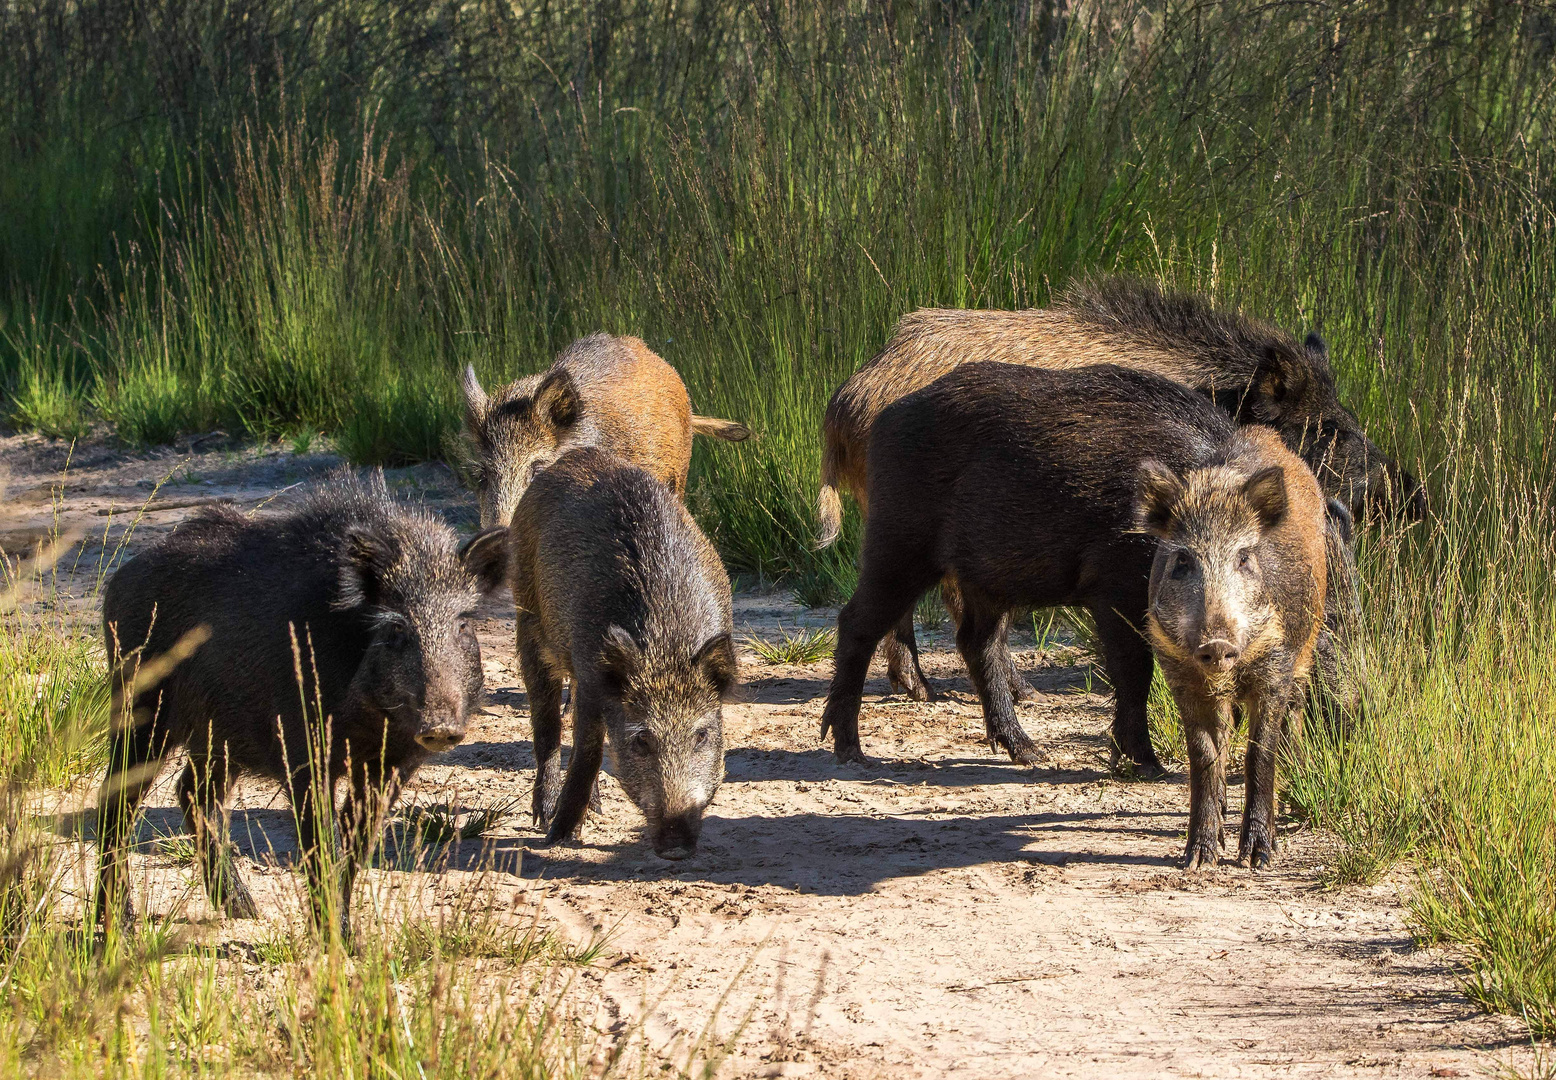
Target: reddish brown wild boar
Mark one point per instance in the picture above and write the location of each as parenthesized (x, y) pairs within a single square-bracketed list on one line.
[(612, 392), (1237, 600), (1254, 372)]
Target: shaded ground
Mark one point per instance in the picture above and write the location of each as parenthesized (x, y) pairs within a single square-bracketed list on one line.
[(943, 913)]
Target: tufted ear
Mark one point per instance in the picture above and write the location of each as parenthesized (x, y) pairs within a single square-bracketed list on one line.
[(1340, 520), (716, 660), (620, 659), (367, 559), (476, 403), (1317, 347), (1277, 382), (1160, 491), (557, 399), (485, 555), (1265, 491)]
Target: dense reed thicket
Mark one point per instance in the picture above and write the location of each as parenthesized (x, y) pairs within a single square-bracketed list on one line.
[(271, 216)]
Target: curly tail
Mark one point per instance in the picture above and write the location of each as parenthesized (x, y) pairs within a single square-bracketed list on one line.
[(727, 430), (829, 505)]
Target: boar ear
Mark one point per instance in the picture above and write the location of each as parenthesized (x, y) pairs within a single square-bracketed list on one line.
[(476, 404), (716, 659), (368, 557), (1160, 491), (485, 555), (1339, 518), (620, 658), (1317, 347), (557, 398), (1265, 491)]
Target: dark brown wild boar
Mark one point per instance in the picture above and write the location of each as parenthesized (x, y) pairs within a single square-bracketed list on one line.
[(619, 591), (1237, 600), (611, 392), (364, 599), (1021, 483), (1254, 372)]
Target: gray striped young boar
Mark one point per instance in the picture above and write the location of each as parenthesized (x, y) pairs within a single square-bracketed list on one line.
[(354, 603), (611, 392), (1021, 483), (1237, 601), (1254, 372), (619, 591)]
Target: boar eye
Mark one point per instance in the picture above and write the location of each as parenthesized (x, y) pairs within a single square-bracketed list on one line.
[(1182, 565), (700, 740), (535, 469), (641, 744), (1245, 559)]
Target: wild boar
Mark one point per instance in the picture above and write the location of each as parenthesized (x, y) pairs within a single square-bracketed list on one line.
[(353, 603), (1021, 483), (605, 391), (619, 591), (1254, 372), (1237, 601)]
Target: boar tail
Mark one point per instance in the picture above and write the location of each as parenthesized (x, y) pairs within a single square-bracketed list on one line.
[(829, 505), (727, 430)]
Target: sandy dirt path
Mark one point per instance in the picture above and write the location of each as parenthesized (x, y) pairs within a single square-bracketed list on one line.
[(943, 913)]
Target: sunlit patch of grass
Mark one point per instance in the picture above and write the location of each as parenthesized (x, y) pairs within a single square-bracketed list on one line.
[(801, 646)]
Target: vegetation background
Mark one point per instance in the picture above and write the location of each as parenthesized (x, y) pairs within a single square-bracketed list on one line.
[(281, 217)]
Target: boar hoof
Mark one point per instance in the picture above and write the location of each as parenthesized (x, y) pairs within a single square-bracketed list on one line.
[(1257, 854), (1023, 752), (852, 755), (239, 903), (1203, 855), (1020, 689)]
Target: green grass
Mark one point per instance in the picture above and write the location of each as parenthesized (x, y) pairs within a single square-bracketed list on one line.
[(800, 646), (314, 227)]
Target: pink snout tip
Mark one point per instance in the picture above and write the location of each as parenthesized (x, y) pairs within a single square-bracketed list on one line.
[(1218, 655)]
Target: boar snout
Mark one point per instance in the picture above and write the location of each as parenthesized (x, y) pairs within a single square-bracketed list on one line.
[(440, 737), (1218, 654), (676, 837)]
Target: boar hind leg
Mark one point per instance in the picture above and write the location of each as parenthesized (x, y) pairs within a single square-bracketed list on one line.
[(202, 795), (980, 641), (583, 769), (1127, 659), (951, 596), (876, 606), (902, 666), (545, 714), (1207, 730), (1266, 723)]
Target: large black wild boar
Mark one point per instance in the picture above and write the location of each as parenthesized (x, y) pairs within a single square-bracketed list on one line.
[(367, 601), (1255, 372), (1021, 483), (619, 591), (611, 392), (1237, 600)]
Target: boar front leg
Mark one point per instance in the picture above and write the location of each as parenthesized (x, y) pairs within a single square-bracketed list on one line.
[(1266, 724), (1207, 728), (584, 768), (545, 716), (368, 801)]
